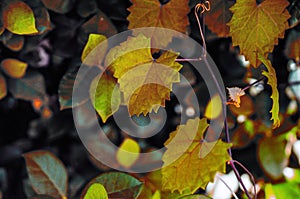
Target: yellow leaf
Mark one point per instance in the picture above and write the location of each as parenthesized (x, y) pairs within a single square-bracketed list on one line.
[(150, 13), (156, 195), (256, 28), (105, 96), (234, 95), (3, 89), (96, 191), (219, 15), (92, 54), (14, 68), (192, 170), (213, 108), (18, 18), (128, 152), (272, 81), (145, 82)]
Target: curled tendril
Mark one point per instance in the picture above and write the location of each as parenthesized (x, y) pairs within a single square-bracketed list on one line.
[(203, 7)]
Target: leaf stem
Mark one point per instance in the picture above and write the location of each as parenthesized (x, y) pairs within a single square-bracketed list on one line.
[(250, 85)]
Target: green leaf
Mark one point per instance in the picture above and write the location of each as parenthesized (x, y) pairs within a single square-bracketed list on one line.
[(3, 89), (18, 18), (93, 55), (272, 156), (105, 95), (47, 174), (119, 185), (96, 191), (60, 6), (272, 81), (283, 190), (29, 87)]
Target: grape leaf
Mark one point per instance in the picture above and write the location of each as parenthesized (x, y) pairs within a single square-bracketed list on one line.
[(256, 28), (105, 96), (47, 174), (150, 13), (213, 108), (18, 18), (145, 82), (201, 170), (92, 55), (14, 68), (272, 81), (3, 89), (218, 17), (96, 191)]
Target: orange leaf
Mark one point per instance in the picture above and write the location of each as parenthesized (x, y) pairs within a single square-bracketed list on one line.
[(292, 49), (192, 170), (14, 68), (150, 13), (256, 28), (145, 82), (234, 94), (3, 89), (219, 15)]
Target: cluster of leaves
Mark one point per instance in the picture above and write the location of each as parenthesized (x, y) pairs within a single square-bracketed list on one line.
[(254, 27)]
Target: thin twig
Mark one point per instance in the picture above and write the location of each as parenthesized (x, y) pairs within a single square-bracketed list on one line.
[(250, 85)]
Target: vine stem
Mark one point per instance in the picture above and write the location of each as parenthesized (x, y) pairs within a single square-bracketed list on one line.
[(204, 58)]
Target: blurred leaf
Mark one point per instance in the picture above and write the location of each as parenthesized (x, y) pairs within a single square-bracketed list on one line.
[(60, 6), (105, 95), (14, 68), (142, 92), (118, 185), (92, 55), (213, 108), (41, 197), (244, 134), (246, 108), (272, 81), (3, 89), (47, 174), (256, 28), (30, 87), (100, 24), (282, 190), (96, 191), (42, 18), (12, 41), (272, 156), (86, 8), (218, 17), (128, 152), (200, 158), (18, 18), (292, 46), (151, 13), (197, 196)]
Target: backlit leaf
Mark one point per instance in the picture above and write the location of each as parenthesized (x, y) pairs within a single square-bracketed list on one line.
[(96, 191), (235, 95), (286, 190), (150, 13), (94, 54), (47, 174), (118, 185), (246, 107), (256, 28), (219, 15), (60, 6), (105, 95), (128, 152), (3, 89), (201, 169), (213, 108), (145, 82), (18, 18), (272, 81), (14, 68)]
